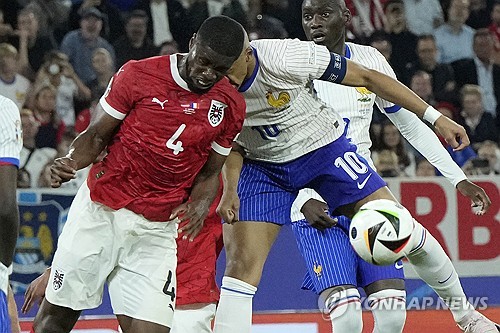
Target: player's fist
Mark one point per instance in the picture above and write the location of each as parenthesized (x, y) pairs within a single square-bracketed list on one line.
[(453, 133), (316, 214), (229, 207), (62, 170)]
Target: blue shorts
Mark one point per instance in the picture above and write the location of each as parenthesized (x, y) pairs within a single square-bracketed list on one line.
[(335, 171), (331, 260), (4, 314)]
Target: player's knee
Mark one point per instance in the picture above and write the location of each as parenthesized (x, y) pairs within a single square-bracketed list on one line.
[(245, 268)]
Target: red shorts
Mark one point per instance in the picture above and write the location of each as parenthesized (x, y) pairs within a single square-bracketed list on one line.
[(196, 263)]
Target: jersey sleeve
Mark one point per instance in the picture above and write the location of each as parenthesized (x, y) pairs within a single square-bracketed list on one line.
[(233, 124), (120, 96), (383, 66), (306, 61), (10, 133)]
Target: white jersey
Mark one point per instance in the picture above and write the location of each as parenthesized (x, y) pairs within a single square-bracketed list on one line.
[(285, 119), (355, 105), (11, 138)]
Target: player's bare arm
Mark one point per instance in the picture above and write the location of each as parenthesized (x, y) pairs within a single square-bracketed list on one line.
[(229, 205), (35, 291), (204, 190), (86, 147), (396, 92)]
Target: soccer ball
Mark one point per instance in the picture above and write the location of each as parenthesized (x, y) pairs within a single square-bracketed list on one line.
[(380, 231)]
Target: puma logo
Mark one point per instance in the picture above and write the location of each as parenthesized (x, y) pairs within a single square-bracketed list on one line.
[(156, 100)]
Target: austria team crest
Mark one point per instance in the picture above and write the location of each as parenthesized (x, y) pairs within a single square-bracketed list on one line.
[(216, 113)]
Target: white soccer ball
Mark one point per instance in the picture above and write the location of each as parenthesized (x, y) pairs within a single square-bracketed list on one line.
[(380, 231)]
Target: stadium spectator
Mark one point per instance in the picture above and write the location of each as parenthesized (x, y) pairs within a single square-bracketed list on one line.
[(33, 159), (168, 48), (112, 26), (80, 44), (424, 168), (58, 72), (391, 139), (12, 84), (367, 17), (421, 84), (135, 44), (423, 16), (32, 45), (489, 150), (44, 108), (495, 29), (167, 22), (454, 38), (479, 14), (6, 29), (52, 16), (481, 70), (402, 40), (479, 124), (443, 79), (387, 164), (104, 67)]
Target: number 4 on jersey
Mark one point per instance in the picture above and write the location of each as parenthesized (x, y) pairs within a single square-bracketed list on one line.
[(177, 146)]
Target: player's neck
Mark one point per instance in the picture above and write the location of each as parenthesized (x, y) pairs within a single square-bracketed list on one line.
[(338, 48)]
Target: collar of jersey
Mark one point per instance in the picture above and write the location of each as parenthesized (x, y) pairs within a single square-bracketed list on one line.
[(347, 52), (175, 73), (248, 82)]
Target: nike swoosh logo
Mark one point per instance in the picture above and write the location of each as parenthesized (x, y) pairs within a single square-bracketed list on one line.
[(398, 265), (441, 282), (360, 186)]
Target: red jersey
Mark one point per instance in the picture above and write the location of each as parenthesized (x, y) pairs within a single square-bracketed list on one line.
[(165, 137)]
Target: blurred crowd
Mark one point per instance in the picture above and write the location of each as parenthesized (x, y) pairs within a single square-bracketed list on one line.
[(57, 57)]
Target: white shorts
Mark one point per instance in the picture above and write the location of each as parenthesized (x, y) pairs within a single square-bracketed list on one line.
[(135, 256)]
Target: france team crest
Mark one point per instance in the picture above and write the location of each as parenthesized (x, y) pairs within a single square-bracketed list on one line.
[(216, 113)]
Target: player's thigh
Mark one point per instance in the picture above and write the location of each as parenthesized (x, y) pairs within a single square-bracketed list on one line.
[(143, 285), (247, 246), (329, 257), (194, 318), (346, 177), (84, 255)]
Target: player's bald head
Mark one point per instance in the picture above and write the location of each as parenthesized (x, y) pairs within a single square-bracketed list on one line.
[(334, 3), (223, 35)]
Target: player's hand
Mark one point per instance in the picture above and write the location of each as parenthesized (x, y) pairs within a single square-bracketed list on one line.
[(191, 215), (229, 207), (36, 291), (316, 213), (477, 195), (453, 133), (62, 170)]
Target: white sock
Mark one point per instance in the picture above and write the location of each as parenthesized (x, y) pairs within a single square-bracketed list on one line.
[(344, 308), (434, 267), (388, 307), (234, 312)]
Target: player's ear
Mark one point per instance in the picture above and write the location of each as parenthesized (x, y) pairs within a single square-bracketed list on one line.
[(191, 41), (347, 16), (248, 53)]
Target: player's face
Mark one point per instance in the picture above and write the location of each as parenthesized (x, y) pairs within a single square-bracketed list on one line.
[(324, 21), (205, 67)]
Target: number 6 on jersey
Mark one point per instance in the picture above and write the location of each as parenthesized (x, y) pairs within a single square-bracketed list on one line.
[(176, 147)]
